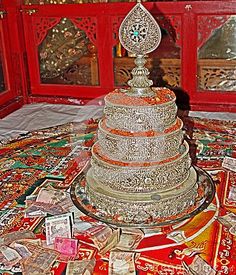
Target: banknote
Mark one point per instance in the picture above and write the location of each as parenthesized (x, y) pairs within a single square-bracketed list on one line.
[(33, 212), (91, 231), (40, 209), (199, 266), (228, 220), (21, 249), (51, 196), (10, 254), (232, 230), (30, 199), (66, 246), (66, 204), (80, 227), (8, 238), (229, 163), (121, 263), (105, 238), (41, 258), (130, 239), (111, 242), (58, 226), (28, 269), (100, 236), (84, 267)]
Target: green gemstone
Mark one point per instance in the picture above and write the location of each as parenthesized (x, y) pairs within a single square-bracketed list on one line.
[(136, 33)]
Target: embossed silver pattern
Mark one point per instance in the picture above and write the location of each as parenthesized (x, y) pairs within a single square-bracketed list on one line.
[(139, 33), (138, 211), (126, 148), (140, 118), (160, 177)]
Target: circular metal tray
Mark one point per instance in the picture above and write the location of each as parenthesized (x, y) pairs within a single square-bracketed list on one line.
[(81, 201)]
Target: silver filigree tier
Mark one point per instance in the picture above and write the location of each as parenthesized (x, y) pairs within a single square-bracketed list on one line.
[(140, 118), (139, 148), (158, 177), (139, 207)]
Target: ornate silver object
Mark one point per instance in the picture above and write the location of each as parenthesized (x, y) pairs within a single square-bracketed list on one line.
[(140, 34), (141, 173)]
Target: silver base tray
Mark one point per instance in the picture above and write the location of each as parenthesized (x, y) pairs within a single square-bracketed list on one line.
[(81, 201)]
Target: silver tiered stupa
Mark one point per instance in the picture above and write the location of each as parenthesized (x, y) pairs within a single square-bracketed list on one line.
[(141, 173)]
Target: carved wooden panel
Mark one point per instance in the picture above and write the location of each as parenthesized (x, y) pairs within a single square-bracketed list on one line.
[(217, 75), (41, 25)]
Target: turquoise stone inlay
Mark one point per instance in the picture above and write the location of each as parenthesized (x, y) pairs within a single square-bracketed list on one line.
[(136, 33)]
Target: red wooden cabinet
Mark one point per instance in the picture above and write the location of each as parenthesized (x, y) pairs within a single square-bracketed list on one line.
[(11, 62), (72, 54)]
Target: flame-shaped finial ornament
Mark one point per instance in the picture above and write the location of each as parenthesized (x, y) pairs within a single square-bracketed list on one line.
[(140, 34)]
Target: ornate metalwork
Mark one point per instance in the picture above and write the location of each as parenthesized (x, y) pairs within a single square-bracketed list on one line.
[(141, 214), (136, 179), (171, 23), (161, 72), (141, 173), (135, 208), (139, 148), (140, 34), (141, 118)]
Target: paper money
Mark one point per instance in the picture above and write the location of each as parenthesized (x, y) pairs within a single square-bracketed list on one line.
[(66, 246), (232, 230), (228, 220), (41, 259), (21, 249), (16, 235), (130, 239), (177, 236), (28, 269), (91, 231), (199, 266), (84, 267), (105, 238), (40, 209), (30, 199), (229, 163), (100, 236), (232, 194), (121, 263), (58, 226), (51, 196), (10, 254)]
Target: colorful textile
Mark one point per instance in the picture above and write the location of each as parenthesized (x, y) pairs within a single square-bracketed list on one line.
[(203, 245)]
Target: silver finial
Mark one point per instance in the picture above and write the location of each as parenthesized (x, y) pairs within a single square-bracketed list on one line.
[(140, 34)]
